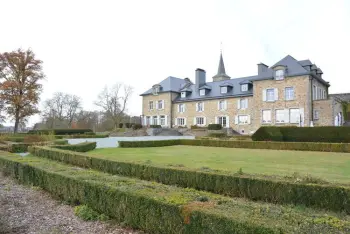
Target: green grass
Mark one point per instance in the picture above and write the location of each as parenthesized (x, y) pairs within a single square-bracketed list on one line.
[(333, 167)]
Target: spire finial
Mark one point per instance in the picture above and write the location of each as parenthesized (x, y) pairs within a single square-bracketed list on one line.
[(221, 75)]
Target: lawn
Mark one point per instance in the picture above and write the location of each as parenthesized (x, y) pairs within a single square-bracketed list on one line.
[(333, 167)]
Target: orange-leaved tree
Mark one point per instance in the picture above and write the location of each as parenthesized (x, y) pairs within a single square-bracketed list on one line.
[(20, 73)]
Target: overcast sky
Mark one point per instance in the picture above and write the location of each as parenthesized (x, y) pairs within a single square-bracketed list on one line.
[(86, 45)]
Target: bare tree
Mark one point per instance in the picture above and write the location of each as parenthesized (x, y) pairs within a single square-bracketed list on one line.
[(114, 101), (63, 107)]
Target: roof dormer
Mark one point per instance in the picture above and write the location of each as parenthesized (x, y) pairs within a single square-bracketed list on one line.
[(246, 85), (279, 72), (226, 87), (156, 89), (204, 90), (185, 92)]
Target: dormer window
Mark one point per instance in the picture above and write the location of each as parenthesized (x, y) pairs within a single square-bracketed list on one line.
[(223, 89), (155, 89), (202, 92), (244, 87), (183, 94), (279, 74)]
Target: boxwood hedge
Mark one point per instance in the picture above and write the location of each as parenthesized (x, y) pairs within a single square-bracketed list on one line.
[(330, 197), (68, 131), (158, 208), (81, 147)]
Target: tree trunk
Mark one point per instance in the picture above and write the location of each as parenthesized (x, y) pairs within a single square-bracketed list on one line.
[(16, 122)]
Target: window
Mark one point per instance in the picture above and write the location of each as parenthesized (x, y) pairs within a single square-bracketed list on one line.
[(324, 94), (162, 120), (270, 95), (222, 121), (200, 121), (319, 93), (223, 89), (148, 120), (181, 108), (314, 92), (155, 120), (222, 105), (202, 92), (181, 121), (266, 116), (200, 106), (244, 87), (279, 74), (316, 114), (150, 105), (160, 105), (294, 115), (289, 93), (243, 103), (243, 119), (155, 90), (281, 116), (183, 94)]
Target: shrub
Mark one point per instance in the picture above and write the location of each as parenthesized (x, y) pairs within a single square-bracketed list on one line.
[(127, 125), (89, 133), (76, 136), (217, 134), (88, 214), (60, 131), (81, 147), (268, 134), (275, 190), (214, 127), (303, 134), (197, 127), (33, 139), (136, 126), (145, 205), (120, 125), (155, 126)]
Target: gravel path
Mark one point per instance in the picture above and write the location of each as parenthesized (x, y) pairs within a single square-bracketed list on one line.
[(30, 210)]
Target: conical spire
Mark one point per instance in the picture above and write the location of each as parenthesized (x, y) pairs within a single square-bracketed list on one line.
[(221, 71)]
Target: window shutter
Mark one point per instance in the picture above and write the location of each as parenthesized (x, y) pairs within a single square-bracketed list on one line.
[(301, 110), (276, 94), (203, 105), (194, 121), (246, 103), (236, 119), (286, 115), (178, 108), (166, 121), (239, 104), (249, 119), (184, 107), (163, 104), (264, 95), (227, 121), (218, 105), (225, 105), (197, 106), (204, 121), (216, 120)]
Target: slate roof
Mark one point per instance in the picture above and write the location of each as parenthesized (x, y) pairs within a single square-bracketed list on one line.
[(293, 66)]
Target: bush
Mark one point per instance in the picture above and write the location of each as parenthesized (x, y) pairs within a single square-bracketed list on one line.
[(155, 126), (157, 208), (217, 134), (268, 134), (81, 147), (214, 127), (60, 131), (89, 133), (136, 126), (127, 125), (303, 134), (87, 214), (33, 139), (197, 127), (120, 125), (134, 144), (77, 136), (280, 190)]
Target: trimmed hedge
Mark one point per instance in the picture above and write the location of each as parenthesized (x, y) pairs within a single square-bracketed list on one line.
[(81, 147), (68, 131), (159, 209), (136, 126), (301, 146), (23, 147), (330, 197), (217, 134), (214, 127), (304, 134), (78, 136), (155, 126)]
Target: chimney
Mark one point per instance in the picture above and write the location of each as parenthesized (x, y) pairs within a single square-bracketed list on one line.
[(262, 68), (200, 78)]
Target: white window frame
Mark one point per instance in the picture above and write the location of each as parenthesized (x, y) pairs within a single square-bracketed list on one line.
[(289, 96), (223, 106), (148, 120), (290, 116), (150, 104), (283, 120), (279, 74), (324, 94), (244, 87), (162, 104), (262, 117), (223, 89), (273, 95), (181, 108), (243, 103), (180, 120), (202, 92), (200, 106), (155, 120), (316, 114), (155, 90), (200, 118), (221, 119), (243, 122), (162, 120), (183, 94), (314, 92)]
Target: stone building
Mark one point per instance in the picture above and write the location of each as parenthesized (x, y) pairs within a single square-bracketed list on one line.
[(290, 92)]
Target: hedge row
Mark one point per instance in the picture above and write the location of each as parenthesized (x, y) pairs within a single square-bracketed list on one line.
[(60, 131), (305, 134), (330, 197), (158, 208), (81, 147), (301, 146), (76, 136), (23, 147)]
